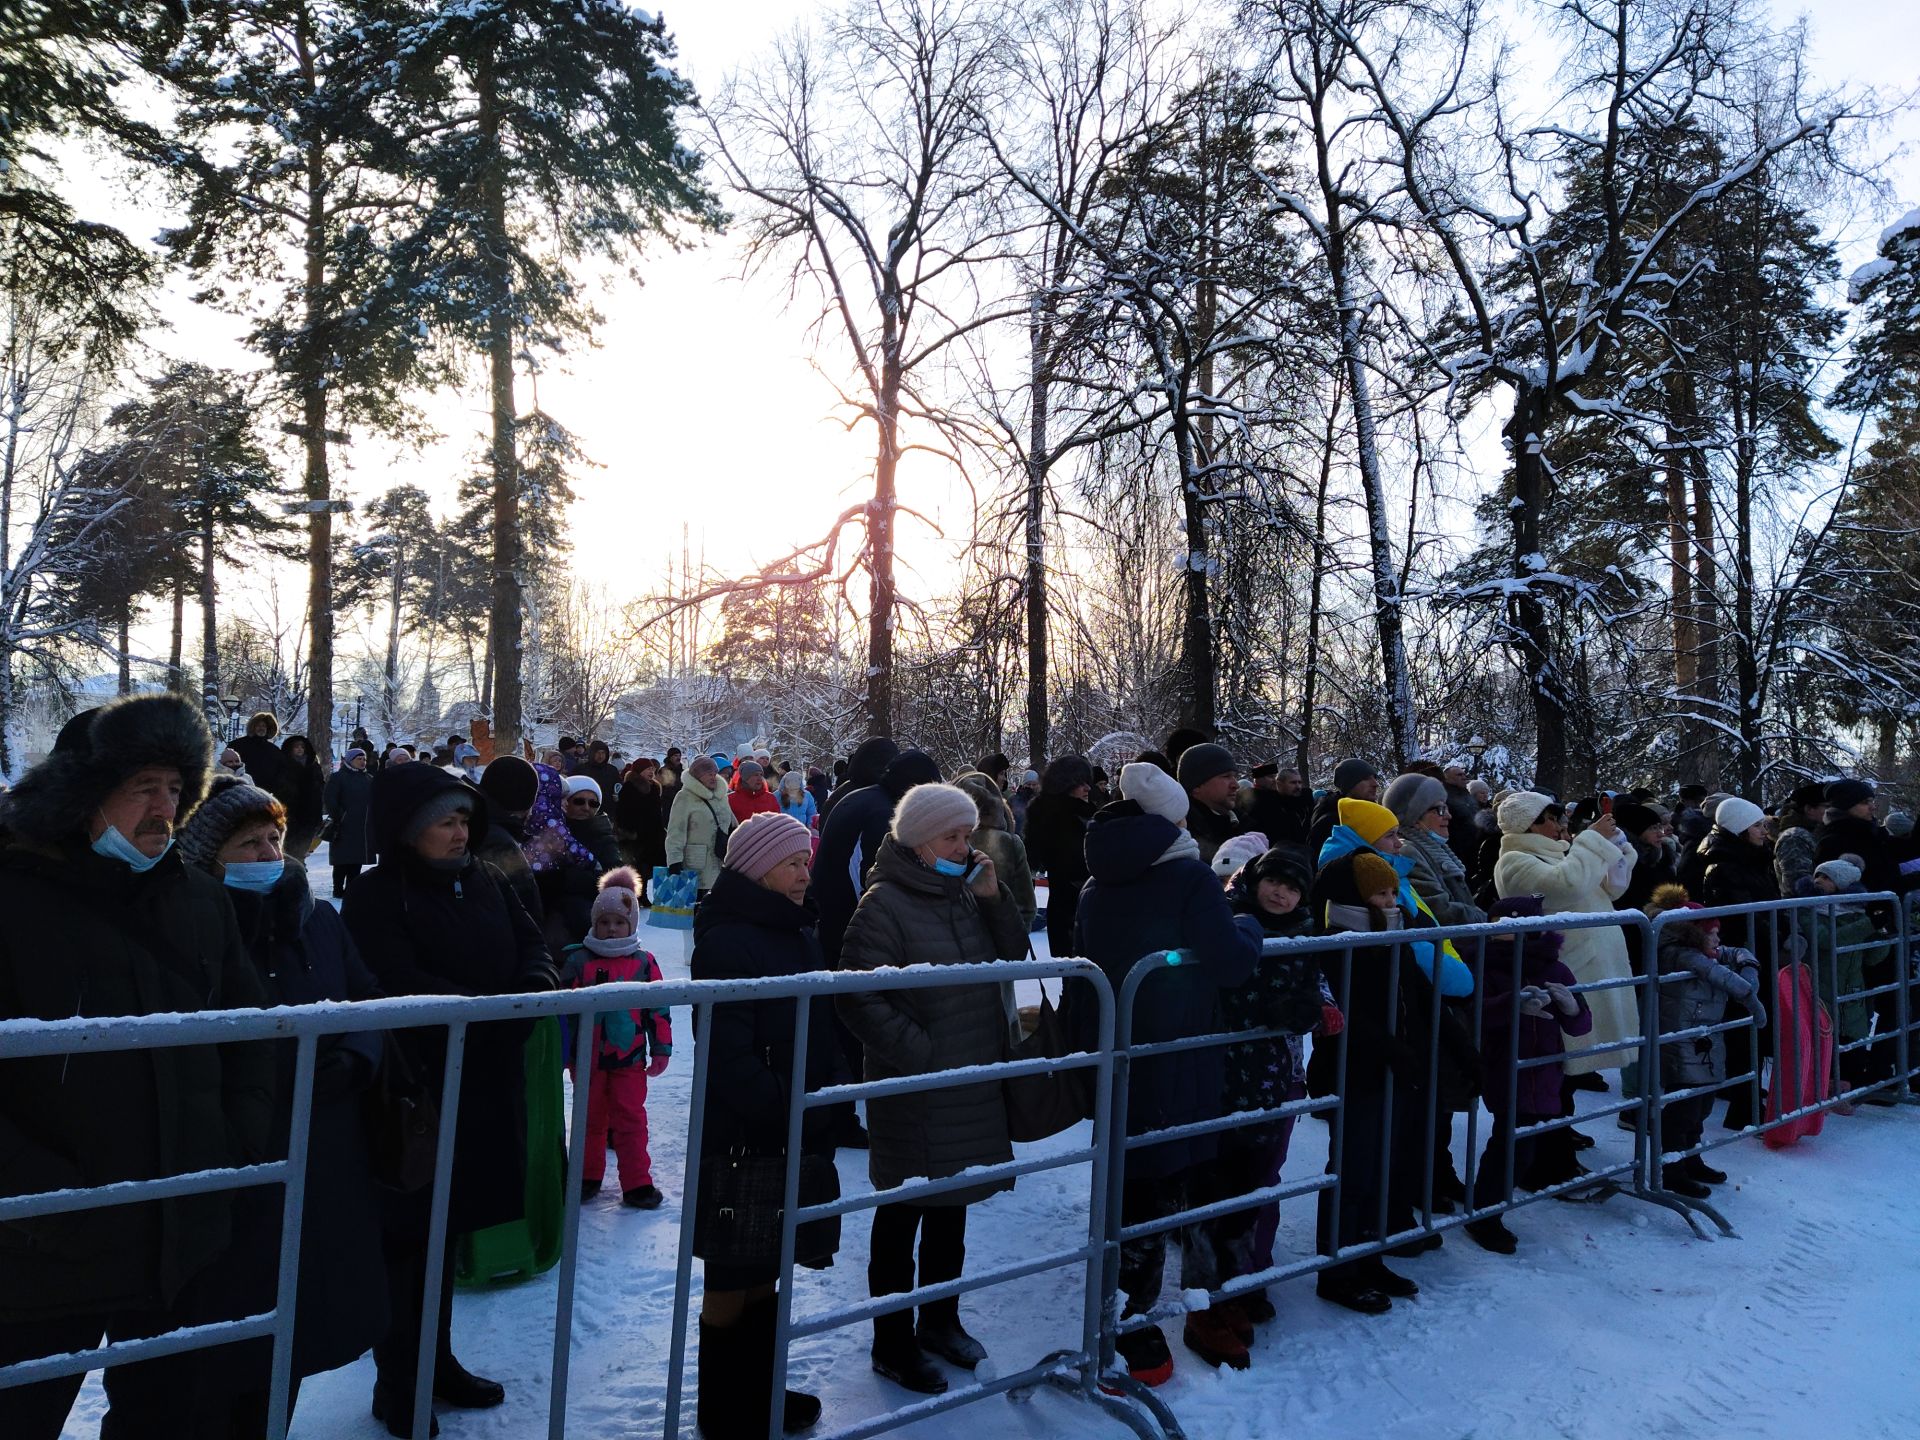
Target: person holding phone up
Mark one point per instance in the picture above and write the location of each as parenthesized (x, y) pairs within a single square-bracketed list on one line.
[(931, 899)]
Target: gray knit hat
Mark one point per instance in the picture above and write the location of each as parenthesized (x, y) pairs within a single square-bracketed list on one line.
[(929, 810), (437, 807), (229, 805), (1411, 796)]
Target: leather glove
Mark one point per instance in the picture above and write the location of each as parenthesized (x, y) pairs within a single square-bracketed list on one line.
[(657, 1066), (1332, 1022), (676, 867)]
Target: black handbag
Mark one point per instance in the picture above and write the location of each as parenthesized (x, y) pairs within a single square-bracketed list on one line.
[(1042, 1105), (403, 1122), (742, 1204)]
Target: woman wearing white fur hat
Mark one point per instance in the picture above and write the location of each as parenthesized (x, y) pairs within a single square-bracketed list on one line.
[(931, 899)]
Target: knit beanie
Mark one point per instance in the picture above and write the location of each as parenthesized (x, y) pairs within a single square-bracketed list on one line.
[(619, 895), (356, 750), (1636, 820), (929, 810), (1349, 773), (748, 769), (762, 841), (1201, 763), (1736, 816), (1845, 794), (1411, 796), (438, 806), (230, 804), (1521, 810), (799, 783), (1237, 851), (510, 782), (1843, 873), (1154, 791), (1711, 805), (1372, 874), (1368, 820), (583, 784)]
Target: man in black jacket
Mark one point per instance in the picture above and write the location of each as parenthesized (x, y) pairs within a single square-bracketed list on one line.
[(1352, 779), (104, 920)]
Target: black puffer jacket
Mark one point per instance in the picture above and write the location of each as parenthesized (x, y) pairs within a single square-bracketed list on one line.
[(913, 915), (427, 931), (1850, 835), (743, 931), (349, 802), (86, 936), (1736, 872)]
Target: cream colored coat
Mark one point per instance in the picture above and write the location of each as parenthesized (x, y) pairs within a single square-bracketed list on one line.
[(1582, 879)]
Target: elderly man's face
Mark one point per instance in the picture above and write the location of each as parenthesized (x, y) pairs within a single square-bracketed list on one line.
[(1454, 775), (1289, 782), (142, 808)]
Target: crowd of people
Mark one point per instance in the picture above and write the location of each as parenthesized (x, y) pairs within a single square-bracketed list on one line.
[(146, 872)]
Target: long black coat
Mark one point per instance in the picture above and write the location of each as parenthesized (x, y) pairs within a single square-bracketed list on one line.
[(1135, 905), (304, 955), (1737, 873), (349, 801), (425, 931), (1850, 835), (302, 789), (86, 936), (263, 760), (638, 814), (850, 840), (744, 931), (1056, 841)]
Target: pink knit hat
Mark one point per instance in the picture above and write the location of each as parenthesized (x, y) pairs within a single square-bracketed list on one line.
[(619, 895), (762, 841)]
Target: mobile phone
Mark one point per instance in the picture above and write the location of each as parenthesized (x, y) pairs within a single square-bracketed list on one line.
[(1606, 804), (973, 870)]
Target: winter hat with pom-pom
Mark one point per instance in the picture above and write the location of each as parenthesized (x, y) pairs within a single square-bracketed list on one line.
[(619, 895), (927, 811), (1843, 873), (1521, 811), (1154, 791), (1668, 897), (762, 841)]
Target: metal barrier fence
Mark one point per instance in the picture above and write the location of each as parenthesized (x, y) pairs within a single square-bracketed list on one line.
[(1493, 949), (306, 1025)]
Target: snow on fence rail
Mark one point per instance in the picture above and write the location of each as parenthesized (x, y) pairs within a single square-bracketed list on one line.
[(1088, 1372)]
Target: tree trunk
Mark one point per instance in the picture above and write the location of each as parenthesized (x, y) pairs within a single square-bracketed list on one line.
[(1303, 753), (504, 649), (124, 636), (176, 671), (317, 482), (880, 528), (1694, 739), (390, 671), (216, 710), (1528, 631), (1038, 460), (1750, 701), (1706, 611)]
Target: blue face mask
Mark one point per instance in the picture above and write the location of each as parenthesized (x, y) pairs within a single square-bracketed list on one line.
[(115, 846), (949, 867), (256, 877)]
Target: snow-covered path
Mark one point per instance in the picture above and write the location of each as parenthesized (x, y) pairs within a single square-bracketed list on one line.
[(1611, 1321)]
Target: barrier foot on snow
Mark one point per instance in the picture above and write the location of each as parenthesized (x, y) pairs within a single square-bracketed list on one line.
[(1686, 1209), (1125, 1398)]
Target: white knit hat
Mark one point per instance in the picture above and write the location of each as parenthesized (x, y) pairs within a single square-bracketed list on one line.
[(1521, 810), (1237, 851), (577, 784), (1736, 815), (929, 810), (1155, 791)]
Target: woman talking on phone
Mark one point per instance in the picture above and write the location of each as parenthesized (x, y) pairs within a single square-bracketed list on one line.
[(931, 899)]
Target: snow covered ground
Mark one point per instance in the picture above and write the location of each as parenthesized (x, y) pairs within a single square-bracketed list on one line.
[(1611, 1321)]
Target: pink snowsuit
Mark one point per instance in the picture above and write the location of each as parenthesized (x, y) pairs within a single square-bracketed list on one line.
[(617, 1092)]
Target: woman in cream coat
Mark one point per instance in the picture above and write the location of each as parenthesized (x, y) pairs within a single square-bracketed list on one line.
[(1584, 878)]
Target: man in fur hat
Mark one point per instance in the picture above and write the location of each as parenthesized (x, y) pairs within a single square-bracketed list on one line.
[(104, 920)]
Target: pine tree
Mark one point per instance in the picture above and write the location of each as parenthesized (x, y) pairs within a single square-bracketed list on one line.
[(548, 132)]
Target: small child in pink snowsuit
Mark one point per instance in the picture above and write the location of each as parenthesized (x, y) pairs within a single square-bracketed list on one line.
[(617, 1091)]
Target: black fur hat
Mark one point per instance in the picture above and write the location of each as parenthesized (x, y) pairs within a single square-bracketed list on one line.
[(97, 751)]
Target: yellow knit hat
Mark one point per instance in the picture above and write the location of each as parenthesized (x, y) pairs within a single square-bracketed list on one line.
[(1367, 820)]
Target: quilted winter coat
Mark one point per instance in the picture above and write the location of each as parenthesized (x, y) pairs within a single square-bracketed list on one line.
[(913, 915)]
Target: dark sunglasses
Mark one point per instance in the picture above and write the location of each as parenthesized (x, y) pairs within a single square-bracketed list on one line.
[(586, 800)]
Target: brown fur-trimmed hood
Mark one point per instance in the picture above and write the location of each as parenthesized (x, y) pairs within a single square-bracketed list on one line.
[(97, 751)]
